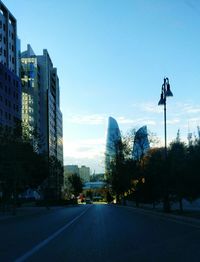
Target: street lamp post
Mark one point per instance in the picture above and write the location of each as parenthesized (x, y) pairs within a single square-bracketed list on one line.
[(165, 92)]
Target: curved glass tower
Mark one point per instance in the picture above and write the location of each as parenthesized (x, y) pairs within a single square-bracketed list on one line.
[(141, 143), (113, 137)]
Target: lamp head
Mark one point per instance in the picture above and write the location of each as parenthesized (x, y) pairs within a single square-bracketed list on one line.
[(162, 100), (168, 91)]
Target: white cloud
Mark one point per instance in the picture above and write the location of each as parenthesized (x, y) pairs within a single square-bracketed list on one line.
[(186, 108), (89, 152), (93, 119), (87, 148), (148, 107), (173, 121), (136, 121)]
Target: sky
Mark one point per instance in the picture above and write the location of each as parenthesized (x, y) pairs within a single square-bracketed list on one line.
[(112, 56)]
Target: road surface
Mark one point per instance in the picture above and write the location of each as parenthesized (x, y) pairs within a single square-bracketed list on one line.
[(98, 233)]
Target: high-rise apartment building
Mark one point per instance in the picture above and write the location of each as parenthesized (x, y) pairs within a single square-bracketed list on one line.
[(112, 142), (141, 143), (10, 84), (31, 95), (41, 100)]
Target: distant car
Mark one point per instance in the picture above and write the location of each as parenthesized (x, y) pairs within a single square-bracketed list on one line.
[(88, 201)]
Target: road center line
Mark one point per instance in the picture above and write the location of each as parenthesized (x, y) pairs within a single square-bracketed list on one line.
[(47, 240)]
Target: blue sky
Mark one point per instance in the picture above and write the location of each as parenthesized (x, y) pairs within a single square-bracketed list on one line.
[(112, 56)]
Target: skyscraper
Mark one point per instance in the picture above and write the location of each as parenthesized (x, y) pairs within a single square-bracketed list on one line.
[(141, 143), (41, 101), (113, 139), (31, 95), (10, 84), (51, 116)]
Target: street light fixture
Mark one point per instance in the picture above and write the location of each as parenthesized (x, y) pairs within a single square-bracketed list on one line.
[(165, 92)]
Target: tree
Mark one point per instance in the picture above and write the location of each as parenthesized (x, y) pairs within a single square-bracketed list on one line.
[(55, 178), (154, 175), (177, 170), (192, 170), (76, 185), (20, 166)]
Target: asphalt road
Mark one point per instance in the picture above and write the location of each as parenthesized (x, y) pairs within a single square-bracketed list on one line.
[(98, 233)]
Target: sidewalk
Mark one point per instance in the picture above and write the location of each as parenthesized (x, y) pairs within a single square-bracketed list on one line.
[(190, 213), (27, 211)]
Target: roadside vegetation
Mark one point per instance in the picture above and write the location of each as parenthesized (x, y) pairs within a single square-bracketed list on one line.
[(153, 177)]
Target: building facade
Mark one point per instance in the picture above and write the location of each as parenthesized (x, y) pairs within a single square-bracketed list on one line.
[(84, 173), (41, 101), (51, 116), (71, 170), (112, 142), (141, 143), (10, 84), (30, 79)]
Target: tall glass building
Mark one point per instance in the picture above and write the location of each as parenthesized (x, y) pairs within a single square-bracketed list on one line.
[(41, 100), (113, 138), (141, 143)]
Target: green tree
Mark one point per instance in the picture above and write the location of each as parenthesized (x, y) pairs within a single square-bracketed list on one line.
[(76, 185)]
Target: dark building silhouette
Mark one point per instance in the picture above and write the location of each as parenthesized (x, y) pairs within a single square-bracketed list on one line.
[(10, 84)]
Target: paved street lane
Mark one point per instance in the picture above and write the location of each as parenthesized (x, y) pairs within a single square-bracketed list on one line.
[(109, 233), (20, 234)]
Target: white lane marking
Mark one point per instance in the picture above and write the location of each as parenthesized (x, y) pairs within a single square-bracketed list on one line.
[(47, 240)]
